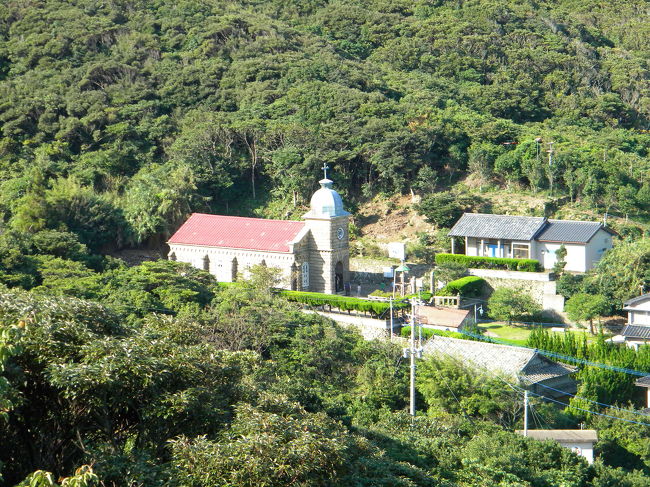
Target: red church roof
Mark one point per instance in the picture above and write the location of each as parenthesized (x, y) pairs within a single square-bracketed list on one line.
[(237, 232)]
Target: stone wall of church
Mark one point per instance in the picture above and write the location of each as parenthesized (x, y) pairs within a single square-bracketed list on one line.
[(326, 250), (225, 264)]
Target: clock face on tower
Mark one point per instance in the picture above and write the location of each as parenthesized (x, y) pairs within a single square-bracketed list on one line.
[(340, 233)]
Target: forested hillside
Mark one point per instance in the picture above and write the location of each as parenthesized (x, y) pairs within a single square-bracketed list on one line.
[(120, 117)]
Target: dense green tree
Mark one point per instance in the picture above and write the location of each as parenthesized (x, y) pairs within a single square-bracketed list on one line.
[(509, 305), (586, 307)]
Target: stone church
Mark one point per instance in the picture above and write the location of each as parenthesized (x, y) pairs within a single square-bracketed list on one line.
[(311, 255)]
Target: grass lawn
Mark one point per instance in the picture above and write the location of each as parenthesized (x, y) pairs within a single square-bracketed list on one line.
[(517, 335)]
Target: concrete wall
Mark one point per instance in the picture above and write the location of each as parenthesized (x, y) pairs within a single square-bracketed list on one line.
[(370, 328), (575, 256), (538, 284), (596, 248), (583, 449), (640, 317), (371, 271), (641, 313)]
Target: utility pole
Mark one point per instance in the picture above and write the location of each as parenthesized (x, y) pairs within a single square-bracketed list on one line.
[(525, 413), (390, 301), (550, 164), (412, 352)]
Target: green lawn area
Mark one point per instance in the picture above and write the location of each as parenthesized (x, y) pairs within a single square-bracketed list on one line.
[(517, 335)]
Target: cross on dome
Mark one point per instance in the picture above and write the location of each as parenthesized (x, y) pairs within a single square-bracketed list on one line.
[(325, 168)]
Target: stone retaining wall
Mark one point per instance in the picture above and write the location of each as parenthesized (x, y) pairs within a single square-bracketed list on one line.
[(538, 284)]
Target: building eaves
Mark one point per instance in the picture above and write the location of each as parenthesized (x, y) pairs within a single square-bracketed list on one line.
[(636, 331), (636, 300), (643, 381)]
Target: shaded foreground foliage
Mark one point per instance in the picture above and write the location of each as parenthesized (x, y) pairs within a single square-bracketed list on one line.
[(244, 389)]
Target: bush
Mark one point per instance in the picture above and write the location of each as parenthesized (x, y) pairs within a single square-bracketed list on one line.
[(426, 332), (512, 304), (524, 265), (469, 286), (344, 303), (450, 271)]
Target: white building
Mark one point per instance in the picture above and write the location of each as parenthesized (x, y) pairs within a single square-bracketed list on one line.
[(580, 442), (530, 237), (312, 255), (637, 329)]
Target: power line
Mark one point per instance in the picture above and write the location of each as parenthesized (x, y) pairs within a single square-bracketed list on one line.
[(589, 411), (521, 390), (589, 400), (559, 356)]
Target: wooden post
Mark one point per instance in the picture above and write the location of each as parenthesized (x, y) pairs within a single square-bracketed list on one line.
[(453, 246), (482, 251)]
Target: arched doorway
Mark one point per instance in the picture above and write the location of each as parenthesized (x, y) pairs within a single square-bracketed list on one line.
[(338, 277), (172, 256), (206, 263)]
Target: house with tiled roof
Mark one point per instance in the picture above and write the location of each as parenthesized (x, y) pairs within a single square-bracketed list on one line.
[(310, 255), (524, 365), (530, 237), (637, 330)]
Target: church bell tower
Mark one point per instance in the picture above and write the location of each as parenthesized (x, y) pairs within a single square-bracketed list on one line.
[(329, 253)]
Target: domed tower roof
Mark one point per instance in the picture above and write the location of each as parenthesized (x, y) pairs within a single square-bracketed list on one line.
[(326, 203)]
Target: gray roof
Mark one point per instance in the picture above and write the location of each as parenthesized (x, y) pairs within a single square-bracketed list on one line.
[(636, 331), (509, 227), (563, 435), (570, 231), (637, 300), (513, 362), (643, 381)]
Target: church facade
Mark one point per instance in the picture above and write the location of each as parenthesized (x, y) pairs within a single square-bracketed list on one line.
[(310, 255)]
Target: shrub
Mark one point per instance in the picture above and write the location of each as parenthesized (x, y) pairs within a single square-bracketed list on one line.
[(512, 304), (426, 332), (525, 265), (469, 286), (344, 303)]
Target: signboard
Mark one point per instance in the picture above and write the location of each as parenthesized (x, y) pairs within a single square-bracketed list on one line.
[(388, 271), (397, 250)]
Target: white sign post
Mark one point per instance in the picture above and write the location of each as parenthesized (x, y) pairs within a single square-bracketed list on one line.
[(397, 250)]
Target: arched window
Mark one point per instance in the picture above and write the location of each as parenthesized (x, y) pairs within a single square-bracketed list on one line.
[(305, 275), (206, 263), (172, 256), (233, 275)]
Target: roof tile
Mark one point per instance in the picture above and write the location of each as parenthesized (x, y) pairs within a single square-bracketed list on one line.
[(510, 227), (237, 232)]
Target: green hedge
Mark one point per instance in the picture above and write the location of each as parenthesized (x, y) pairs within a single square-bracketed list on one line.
[(426, 332), (525, 265), (468, 286), (344, 303)]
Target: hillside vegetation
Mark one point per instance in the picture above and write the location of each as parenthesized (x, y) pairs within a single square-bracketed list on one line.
[(163, 378), (120, 117)]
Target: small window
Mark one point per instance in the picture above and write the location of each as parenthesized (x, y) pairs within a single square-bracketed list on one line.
[(305, 275)]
